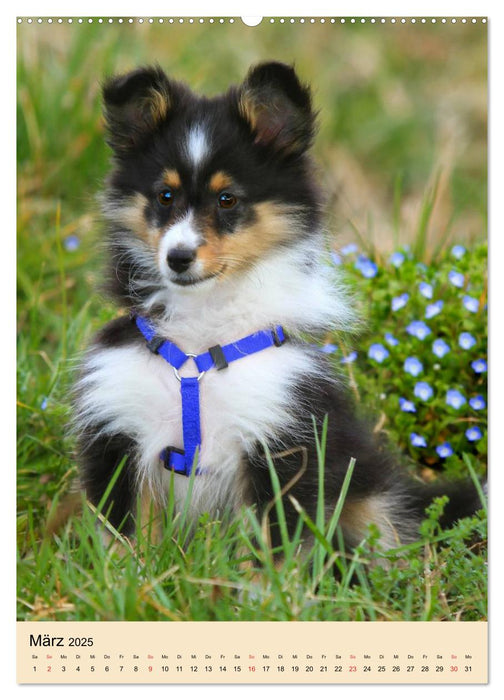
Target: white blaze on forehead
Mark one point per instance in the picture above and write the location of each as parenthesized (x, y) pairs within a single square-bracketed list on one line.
[(197, 144)]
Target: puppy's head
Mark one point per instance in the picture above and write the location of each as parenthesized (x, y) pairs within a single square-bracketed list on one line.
[(203, 188)]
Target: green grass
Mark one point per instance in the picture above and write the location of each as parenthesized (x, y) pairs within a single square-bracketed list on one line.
[(402, 157), (200, 575)]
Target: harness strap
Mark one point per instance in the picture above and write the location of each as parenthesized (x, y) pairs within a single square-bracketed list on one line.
[(218, 357), (241, 348), (160, 346), (191, 424)]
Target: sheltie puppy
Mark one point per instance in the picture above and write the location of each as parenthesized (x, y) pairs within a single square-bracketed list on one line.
[(217, 257)]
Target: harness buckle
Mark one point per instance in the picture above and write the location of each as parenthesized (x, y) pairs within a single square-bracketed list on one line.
[(173, 459), (218, 357), (277, 340), (155, 343)]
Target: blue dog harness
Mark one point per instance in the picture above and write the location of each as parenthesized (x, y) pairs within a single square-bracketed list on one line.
[(181, 461)]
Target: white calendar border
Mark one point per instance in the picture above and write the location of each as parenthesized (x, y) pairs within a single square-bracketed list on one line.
[(258, 8)]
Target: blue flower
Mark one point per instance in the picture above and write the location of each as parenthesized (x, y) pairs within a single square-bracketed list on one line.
[(473, 433), (400, 301), (458, 251), (471, 304), (417, 440), (477, 402), (418, 329), (71, 243), (444, 450), (349, 358), (367, 267), (433, 309), (456, 278), (390, 340), (349, 248), (466, 341), (440, 347), (328, 348), (413, 366), (406, 405), (426, 290), (378, 352), (479, 365), (397, 259), (337, 259), (454, 398), (423, 391), (44, 403)]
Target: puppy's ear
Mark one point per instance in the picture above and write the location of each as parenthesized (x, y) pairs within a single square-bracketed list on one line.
[(135, 104), (277, 108)]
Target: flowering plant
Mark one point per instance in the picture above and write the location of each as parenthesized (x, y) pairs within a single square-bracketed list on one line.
[(422, 359)]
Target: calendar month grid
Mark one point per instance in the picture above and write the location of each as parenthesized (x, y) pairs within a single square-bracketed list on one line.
[(252, 652)]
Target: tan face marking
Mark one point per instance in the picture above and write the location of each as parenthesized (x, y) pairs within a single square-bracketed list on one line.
[(220, 181), (274, 224), (171, 178), (130, 213), (218, 255)]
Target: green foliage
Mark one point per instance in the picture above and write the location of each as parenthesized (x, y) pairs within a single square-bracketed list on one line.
[(426, 327)]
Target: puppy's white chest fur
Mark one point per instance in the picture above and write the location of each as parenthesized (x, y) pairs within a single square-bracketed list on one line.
[(137, 393)]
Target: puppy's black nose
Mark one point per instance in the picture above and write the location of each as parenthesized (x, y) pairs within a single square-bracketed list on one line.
[(180, 259)]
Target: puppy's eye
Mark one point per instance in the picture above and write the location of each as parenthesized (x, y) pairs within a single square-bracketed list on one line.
[(227, 200), (165, 197)]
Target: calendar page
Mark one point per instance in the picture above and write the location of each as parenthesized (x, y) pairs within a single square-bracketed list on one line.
[(252, 350)]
